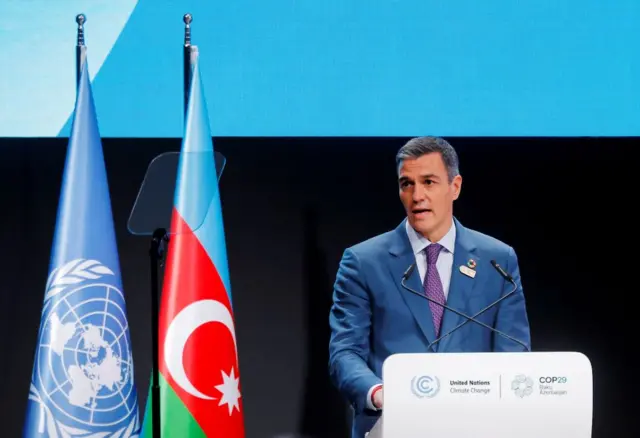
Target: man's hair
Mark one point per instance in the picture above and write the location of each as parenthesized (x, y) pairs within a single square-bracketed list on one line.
[(419, 146)]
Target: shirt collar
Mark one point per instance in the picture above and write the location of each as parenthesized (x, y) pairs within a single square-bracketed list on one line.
[(419, 242)]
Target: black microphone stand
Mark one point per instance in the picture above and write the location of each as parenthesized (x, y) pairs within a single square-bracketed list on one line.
[(157, 250)]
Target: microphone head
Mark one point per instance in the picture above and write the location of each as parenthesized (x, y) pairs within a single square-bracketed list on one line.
[(502, 271), (409, 271)]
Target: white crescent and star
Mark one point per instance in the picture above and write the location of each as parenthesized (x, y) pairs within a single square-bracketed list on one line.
[(182, 327)]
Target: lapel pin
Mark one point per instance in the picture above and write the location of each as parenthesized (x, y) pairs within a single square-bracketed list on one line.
[(471, 263), (467, 271)]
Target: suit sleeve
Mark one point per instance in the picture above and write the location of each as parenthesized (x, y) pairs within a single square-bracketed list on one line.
[(512, 315), (350, 322)]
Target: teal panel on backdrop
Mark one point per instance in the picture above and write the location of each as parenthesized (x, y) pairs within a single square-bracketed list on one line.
[(330, 68)]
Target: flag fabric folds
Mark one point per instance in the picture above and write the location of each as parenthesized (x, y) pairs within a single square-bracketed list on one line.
[(83, 376), (199, 377)]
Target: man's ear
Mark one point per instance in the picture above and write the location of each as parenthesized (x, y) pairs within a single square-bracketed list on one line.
[(457, 186)]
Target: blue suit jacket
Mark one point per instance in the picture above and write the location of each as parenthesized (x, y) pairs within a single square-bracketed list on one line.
[(373, 316)]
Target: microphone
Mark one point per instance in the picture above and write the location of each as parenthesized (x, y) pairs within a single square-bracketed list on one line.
[(502, 272)]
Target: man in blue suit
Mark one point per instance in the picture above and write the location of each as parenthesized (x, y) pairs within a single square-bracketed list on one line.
[(373, 316)]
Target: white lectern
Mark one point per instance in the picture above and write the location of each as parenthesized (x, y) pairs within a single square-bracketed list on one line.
[(497, 395)]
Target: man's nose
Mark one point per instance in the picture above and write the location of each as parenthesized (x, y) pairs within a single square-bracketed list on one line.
[(419, 193)]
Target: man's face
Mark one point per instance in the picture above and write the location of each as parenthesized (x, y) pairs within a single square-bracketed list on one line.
[(427, 195)]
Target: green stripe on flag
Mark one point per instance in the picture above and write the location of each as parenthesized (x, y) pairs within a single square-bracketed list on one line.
[(176, 419)]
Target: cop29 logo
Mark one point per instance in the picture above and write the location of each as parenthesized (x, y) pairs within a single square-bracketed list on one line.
[(550, 379), (522, 385)]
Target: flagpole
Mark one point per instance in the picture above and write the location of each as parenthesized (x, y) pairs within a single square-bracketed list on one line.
[(158, 246), (189, 54), (81, 49)]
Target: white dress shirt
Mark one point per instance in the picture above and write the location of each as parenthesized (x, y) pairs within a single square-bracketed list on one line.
[(445, 260), (444, 265)]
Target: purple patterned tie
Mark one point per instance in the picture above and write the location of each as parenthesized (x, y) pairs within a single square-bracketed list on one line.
[(433, 285)]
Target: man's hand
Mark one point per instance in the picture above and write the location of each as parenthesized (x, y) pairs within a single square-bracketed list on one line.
[(377, 398)]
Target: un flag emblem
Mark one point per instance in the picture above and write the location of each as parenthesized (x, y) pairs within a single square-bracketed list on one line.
[(83, 374)]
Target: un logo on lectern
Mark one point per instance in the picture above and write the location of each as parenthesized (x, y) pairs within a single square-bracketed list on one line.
[(425, 386)]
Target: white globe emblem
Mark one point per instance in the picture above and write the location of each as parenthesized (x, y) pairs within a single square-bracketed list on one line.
[(425, 386), (522, 385), (84, 369)]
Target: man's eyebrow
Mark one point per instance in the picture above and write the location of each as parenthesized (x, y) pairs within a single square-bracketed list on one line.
[(424, 176)]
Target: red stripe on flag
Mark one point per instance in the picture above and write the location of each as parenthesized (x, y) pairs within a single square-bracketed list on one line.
[(194, 292)]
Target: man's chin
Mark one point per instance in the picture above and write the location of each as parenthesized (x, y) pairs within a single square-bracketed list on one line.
[(422, 224)]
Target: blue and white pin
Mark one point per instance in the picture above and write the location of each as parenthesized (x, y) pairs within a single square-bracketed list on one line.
[(469, 269)]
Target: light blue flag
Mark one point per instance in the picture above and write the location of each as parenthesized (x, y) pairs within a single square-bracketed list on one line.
[(82, 383)]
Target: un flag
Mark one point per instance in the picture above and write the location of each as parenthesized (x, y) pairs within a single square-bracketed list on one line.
[(82, 383)]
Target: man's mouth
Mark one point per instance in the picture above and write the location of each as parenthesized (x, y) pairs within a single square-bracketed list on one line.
[(421, 210)]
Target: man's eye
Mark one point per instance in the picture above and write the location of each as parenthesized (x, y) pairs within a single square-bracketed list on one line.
[(428, 182)]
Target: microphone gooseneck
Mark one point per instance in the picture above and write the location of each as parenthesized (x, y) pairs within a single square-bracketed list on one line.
[(506, 276)]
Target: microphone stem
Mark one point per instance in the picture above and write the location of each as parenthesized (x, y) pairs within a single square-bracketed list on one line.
[(468, 318), (473, 318)]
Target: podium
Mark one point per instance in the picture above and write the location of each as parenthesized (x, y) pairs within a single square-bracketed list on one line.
[(497, 395)]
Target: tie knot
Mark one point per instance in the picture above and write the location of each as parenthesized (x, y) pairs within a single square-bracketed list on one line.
[(433, 251)]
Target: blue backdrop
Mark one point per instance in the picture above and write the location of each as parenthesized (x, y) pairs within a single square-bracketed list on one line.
[(330, 67)]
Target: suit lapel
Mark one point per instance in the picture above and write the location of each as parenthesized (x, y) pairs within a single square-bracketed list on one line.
[(461, 285), (402, 258)]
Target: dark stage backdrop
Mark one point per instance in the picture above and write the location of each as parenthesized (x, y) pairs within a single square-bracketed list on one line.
[(291, 206)]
